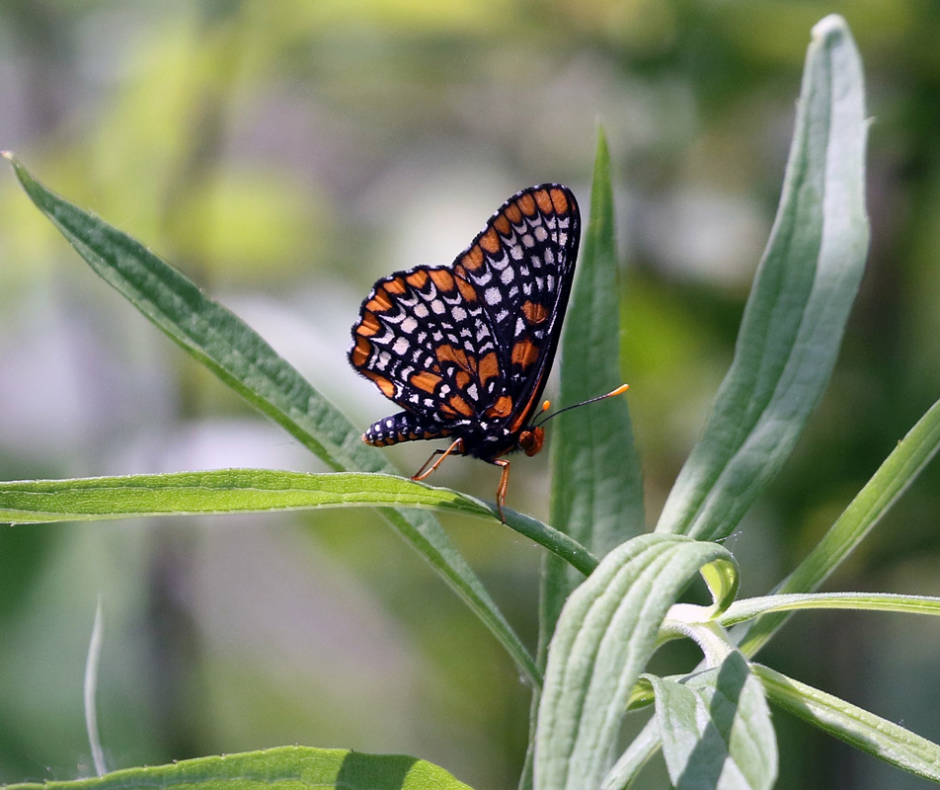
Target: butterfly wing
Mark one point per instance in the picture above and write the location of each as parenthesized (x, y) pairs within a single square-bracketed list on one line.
[(522, 266), (471, 344)]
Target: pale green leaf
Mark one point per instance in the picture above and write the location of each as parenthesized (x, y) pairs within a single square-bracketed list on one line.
[(863, 730), (716, 729), (606, 634), (799, 303)]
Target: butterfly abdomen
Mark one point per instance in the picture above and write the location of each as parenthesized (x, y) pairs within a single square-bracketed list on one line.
[(402, 427)]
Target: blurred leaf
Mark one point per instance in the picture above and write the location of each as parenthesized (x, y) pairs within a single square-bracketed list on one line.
[(801, 298), (716, 729), (253, 491), (238, 356), (893, 477), (289, 766), (863, 730), (606, 634)]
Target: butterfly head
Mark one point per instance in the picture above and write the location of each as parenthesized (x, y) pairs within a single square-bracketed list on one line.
[(531, 440)]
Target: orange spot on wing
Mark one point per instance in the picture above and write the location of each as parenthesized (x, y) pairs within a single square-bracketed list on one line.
[(388, 389), (425, 381), (443, 279), (544, 201), (502, 224), (417, 278), (502, 407), (559, 201), (380, 302), (463, 379), (466, 290), (489, 368), (534, 313), (512, 211), (460, 405), (361, 352), (369, 325), (489, 241), (446, 352), (527, 204), (524, 353), (473, 260), (396, 286)]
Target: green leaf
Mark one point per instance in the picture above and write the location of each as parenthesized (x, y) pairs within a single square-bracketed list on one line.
[(294, 767), (716, 729), (749, 608), (252, 491), (235, 353), (863, 730), (597, 486), (797, 310), (893, 477), (606, 634)]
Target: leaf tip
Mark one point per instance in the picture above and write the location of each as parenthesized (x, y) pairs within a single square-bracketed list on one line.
[(8, 155), (830, 27)]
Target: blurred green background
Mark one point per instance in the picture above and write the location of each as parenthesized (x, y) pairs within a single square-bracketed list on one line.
[(285, 154)]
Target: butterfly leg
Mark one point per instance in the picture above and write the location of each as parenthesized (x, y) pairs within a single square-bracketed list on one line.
[(456, 447), (503, 486)]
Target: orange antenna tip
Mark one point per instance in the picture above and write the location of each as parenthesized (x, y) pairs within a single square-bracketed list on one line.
[(619, 391), (547, 405)]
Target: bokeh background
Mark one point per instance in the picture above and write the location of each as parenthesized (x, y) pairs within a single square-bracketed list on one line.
[(285, 155)]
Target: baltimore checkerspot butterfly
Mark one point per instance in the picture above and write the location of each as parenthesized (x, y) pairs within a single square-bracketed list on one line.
[(466, 349)]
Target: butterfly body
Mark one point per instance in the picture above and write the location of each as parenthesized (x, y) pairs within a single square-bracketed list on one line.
[(465, 350)]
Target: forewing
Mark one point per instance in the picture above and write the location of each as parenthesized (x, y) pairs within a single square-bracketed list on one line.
[(521, 267)]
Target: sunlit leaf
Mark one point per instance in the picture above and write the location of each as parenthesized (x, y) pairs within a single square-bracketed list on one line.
[(606, 634), (863, 730), (795, 316), (297, 767), (252, 491), (716, 729)]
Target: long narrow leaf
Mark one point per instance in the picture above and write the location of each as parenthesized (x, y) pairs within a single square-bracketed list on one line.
[(253, 491), (749, 608), (296, 767), (597, 489), (716, 729), (898, 471), (235, 353), (606, 634), (796, 313), (597, 486), (863, 730)]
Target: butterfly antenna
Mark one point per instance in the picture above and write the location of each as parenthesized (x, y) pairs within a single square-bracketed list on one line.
[(613, 393)]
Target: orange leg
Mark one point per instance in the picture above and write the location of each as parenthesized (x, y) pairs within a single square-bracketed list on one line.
[(503, 486), (456, 447)]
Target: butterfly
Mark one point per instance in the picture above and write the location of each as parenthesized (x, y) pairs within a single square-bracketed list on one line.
[(466, 349)]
